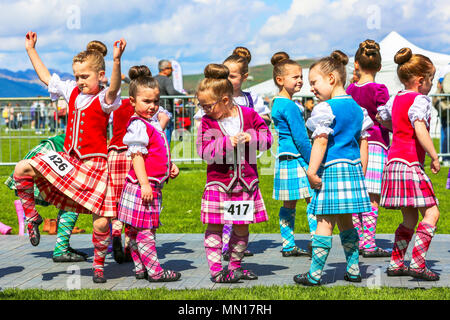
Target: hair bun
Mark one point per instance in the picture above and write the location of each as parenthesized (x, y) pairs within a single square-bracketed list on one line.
[(403, 55), (339, 56), (278, 57), (243, 52), (216, 71), (370, 47), (138, 72), (98, 46)]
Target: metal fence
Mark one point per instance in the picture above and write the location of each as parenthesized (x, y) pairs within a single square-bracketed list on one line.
[(27, 121)]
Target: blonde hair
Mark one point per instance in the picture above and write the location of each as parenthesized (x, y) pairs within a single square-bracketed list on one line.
[(335, 62), (140, 76), (368, 55), (216, 80), (279, 61), (412, 65), (95, 53), (242, 57)]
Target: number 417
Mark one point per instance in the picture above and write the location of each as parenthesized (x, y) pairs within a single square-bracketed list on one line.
[(237, 208)]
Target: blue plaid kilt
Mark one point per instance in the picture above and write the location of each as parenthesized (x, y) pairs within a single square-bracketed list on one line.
[(290, 181), (343, 191)]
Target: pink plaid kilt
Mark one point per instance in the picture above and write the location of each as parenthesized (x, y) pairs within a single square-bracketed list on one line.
[(405, 185), (118, 165), (214, 196), (133, 211), (84, 189)]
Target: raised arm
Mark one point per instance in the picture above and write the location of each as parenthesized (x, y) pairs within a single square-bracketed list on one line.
[(38, 65), (116, 75)]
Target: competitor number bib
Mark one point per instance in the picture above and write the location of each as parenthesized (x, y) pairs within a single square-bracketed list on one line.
[(239, 210), (60, 165)]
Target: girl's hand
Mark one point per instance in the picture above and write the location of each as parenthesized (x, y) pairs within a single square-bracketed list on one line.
[(30, 40), (119, 48), (234, 140), (146, 193), (315, 181), (174, 171), (435, 166), (244, 137)]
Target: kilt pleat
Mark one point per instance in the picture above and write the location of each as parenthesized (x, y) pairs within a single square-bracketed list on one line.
[(343, 191), (212, 207), (118, 166), (406, 185), (290, 181), (377, 162)]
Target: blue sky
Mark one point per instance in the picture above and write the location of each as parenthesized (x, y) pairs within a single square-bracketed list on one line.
[(197, 32)]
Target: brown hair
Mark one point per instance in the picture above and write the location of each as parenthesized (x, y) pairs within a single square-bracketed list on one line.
[(141, 76), (241, 56), (95, 51), (336, 61), (216, 80), (368, 55), (279, 61), (412, 65)]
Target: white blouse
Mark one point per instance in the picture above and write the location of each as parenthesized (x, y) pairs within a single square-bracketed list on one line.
[(322, 117), (419, 110), (231, 125), (59, 88)]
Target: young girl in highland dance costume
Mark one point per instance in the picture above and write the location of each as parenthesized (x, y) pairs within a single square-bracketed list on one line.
[(141, 199), (76, 180), (119, 165), (294, 150), (405, 184), (228, 139), (370, 96), (339, 127)]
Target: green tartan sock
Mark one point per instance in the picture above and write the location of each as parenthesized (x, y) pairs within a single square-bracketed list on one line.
[(66, 224)]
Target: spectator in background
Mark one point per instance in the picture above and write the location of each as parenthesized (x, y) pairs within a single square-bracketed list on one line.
[(19, 117), (61, 113), (166, 89), (33, 108), (442, 105), (5, 116), (309, 105)]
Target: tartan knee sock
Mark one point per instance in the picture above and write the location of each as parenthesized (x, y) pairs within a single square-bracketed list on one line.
[(66, 224), (349, 241), (147, 251), (117, 226), (131, 234), (321, 246), (213, 248), (402, 238), (369, 222), (357, 223), (424, 234), (101, 241), (226, 234), (238, 245), (25, 192), (287, 225), (312, 222)]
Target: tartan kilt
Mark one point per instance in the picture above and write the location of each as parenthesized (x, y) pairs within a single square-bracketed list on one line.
[(118, 166), (290, 181), (377, 162), (43, 147), (84, 189), (212, 209), (133, 211), (406, 185), (343, 191)]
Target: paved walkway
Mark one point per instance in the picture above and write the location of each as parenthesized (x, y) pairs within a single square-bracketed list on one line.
[(23, 266)]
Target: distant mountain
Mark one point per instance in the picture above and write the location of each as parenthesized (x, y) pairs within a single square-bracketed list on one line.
[(25, 83)]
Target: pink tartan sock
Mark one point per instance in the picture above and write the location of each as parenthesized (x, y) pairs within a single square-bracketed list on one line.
[(101, 242), (213, 248), (424, 234), (402, 238), (237, 245), (357, 223), (369, 222), (147, 251), (131, 234), (117, 226), (25, 191)]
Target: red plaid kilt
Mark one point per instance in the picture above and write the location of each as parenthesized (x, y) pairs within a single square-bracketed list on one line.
[(84, 189), (133, 211), (406, 185), (118, 165), (214, 196)]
